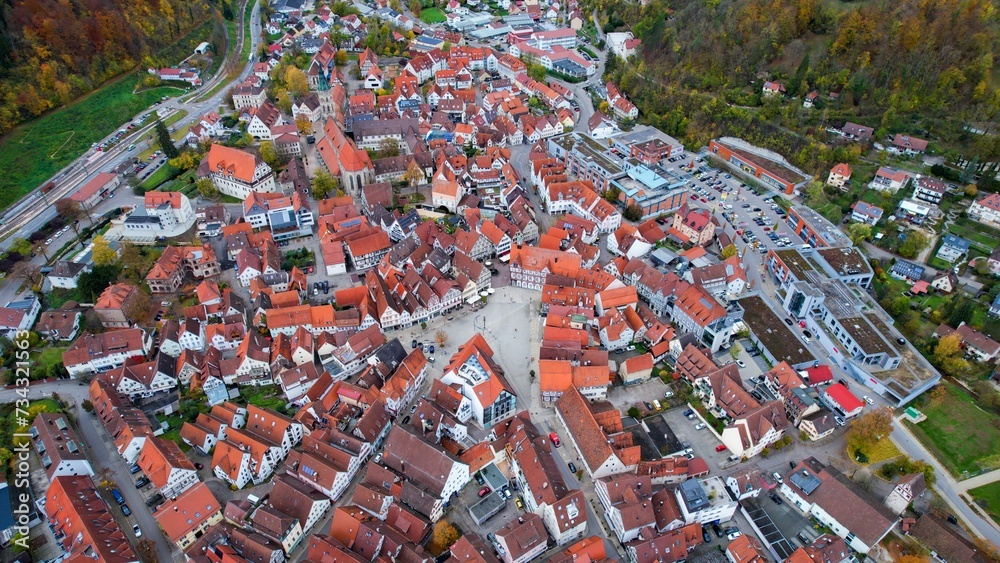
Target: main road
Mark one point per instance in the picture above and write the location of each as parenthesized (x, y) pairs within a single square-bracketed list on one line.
[(35, 210)]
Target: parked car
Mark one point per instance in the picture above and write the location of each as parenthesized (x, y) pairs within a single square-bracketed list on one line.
[(717, 530), (775, 498), (518, 503), (700, 426), (668, 394), (705, 535), (740, 363), (118, 496), (506, 492), (378, 457), (720, 448), (199, 466), (572, 467), (484, 491), (134, 469), (555, 439), (142, 482), (126, 510), (869, 400), (840, 420), (136, 530), (777, 477), (733, 535), (154, 500), (479, 478)]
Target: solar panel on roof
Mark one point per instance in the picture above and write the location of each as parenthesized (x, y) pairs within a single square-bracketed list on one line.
[(805, 481)]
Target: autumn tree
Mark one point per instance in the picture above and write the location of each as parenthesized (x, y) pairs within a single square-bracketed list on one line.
[(70, 211), (269, 154), (207, 188), (388, 147), (729, 251), (164, 140), (413, 175), (296, 81), (859, 232), (283, 100), (536, 72), (138, 306), (815, 193), (632, 213), (947, 347), (869, 428), (26, 272), (444, 535), (102, 252), (304, 126), (324, 185), (187, 160), (441, 337), (914, 243), (948, 355), (971, 190)]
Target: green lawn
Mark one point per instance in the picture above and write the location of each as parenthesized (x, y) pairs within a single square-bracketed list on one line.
[(51, 356), (432, 15), (162, 174), (179, 183), (33, 152), (268, 397), (988, 498), (174, 433), (976, 232), (961, 436)]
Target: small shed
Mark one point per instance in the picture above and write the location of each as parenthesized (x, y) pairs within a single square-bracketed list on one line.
[(202, 48)]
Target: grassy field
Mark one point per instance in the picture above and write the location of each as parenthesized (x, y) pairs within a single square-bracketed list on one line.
[(978, 233), (988, 498), (174, 434), (162, 174), (33, 152), (51, 356), (961, 436), (432, 15)]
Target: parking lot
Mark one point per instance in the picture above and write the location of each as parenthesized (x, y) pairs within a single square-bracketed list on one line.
[(741, 207)]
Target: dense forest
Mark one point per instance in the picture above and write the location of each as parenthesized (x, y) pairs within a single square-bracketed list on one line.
[(917, 66), (53, 51)]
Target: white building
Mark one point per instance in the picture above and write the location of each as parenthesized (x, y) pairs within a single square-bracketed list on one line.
[(705, 501), (93, 353), (236, 173)]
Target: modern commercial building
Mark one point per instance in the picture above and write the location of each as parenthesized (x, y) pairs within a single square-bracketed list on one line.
[(768, 167)]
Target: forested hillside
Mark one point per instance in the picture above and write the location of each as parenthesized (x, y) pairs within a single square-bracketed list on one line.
[(53, 51), (896, 65)]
